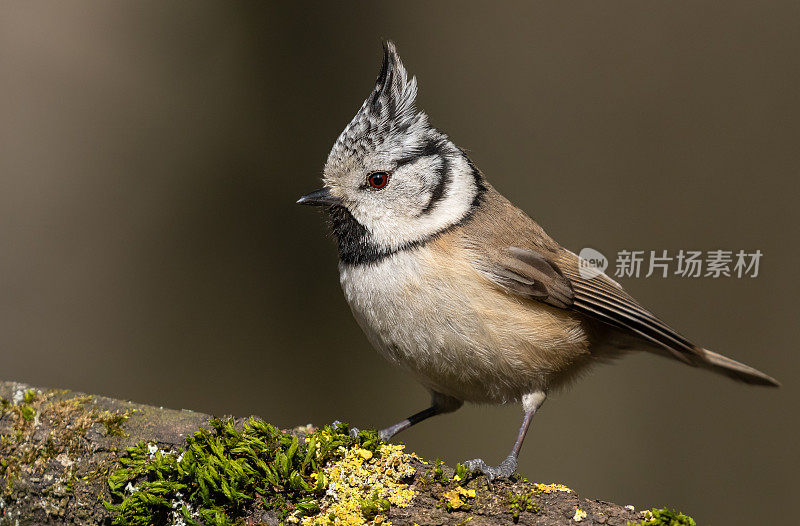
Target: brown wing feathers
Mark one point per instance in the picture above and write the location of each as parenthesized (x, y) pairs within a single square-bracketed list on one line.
[(529, 273), (557, 281), (601, 299)]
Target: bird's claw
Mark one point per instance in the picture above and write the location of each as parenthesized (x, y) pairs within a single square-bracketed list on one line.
[(354, 431), (506, 468)]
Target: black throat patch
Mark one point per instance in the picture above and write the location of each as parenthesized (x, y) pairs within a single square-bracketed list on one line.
[(356, 246)]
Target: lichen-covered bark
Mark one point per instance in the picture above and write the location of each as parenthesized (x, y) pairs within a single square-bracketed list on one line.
[(54, 464), (58, 449)]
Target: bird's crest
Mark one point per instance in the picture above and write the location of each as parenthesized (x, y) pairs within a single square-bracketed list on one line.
[(388, 114)]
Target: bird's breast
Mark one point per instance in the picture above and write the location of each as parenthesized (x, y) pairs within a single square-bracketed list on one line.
[(391, 299), (432, 313)]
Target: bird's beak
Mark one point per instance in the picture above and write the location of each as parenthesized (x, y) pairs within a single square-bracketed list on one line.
[(321, 197)]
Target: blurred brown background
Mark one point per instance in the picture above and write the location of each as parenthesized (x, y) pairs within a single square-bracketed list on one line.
[(150, 247)]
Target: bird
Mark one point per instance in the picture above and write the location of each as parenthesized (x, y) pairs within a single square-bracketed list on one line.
[(459, 287)]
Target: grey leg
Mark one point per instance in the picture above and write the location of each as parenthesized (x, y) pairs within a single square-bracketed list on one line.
[(530, 403), (439, 404)]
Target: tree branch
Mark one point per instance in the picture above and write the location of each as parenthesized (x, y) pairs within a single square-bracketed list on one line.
[(69, 458)]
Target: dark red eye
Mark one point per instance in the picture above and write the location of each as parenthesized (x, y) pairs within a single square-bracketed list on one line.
[(378, 180)]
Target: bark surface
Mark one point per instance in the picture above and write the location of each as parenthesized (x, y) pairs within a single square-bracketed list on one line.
[(58, 449)]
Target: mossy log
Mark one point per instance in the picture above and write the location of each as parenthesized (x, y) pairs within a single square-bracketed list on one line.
[(65, 456)]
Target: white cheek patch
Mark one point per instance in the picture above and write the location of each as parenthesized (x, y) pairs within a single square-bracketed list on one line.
[(418, 180), (401, 222)]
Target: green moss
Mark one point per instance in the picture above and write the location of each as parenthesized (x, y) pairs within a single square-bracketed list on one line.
[(224, 469), (444, 476), (27, 413), (434, 474), (29, 396), (62, 423), (517, 503), (114, 422), (438, 471), (664, 517), (374, 506)]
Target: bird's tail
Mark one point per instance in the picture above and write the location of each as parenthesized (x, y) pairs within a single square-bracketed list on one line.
[(733, 369)]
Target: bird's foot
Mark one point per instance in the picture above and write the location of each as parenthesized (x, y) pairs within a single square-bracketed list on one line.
[(506, 468), (354, 431)]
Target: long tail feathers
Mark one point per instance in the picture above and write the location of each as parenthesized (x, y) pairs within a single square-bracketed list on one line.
[(736, 370)]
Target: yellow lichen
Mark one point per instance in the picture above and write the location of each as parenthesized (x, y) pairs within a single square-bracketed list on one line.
[(579, 515), (456, 498), (361, 476), (550, 488)]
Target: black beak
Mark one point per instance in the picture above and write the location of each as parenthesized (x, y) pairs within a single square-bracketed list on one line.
[(321, 197)]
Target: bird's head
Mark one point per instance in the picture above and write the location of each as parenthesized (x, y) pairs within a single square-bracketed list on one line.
[(391, 179)]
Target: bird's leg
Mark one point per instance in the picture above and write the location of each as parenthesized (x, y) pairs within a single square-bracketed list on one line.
[(439, 404), (530, 403), (416, 418)]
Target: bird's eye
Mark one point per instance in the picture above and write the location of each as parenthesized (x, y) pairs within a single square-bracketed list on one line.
[(378, 180)]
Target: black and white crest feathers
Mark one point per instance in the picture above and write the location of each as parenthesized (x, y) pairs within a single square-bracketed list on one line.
[(392, 102), (388, 114)]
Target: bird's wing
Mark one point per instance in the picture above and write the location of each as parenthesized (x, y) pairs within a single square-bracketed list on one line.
[(529, 274), (556, 279)]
